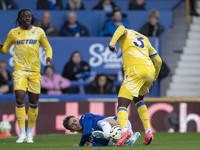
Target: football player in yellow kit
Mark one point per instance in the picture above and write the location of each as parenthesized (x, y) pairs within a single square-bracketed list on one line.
[(27, 39), (140, 74)]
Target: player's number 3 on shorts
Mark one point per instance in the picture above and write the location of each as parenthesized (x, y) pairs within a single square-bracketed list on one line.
[(139, 41)]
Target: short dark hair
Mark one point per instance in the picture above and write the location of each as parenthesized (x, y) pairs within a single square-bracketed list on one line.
[(66, 121)]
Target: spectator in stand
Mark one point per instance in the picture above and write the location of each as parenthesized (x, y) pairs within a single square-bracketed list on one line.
[(47, 26), (75, 5), (53, 82), (7, 5), (101, 85), (50, 4), (72, 27), (75, 66), (105, 5), (152, 28), (113, 23), (5, 78), (136, 5)]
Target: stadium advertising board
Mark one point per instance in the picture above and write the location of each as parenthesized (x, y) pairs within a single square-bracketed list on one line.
[(164, 116)]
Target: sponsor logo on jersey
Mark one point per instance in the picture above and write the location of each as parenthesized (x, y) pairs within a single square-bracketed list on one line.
[(27, 41)]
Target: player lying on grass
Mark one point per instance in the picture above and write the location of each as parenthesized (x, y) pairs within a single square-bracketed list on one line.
[(95, 129)]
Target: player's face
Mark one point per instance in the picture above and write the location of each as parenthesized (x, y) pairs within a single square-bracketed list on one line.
[(76, 59), (26, 18), (74, 124), (102, 81)]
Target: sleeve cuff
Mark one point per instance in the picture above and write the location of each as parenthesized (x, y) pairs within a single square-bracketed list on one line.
[(153, 55)]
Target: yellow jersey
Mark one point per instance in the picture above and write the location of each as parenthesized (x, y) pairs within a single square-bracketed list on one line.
[(26, 47), (136, 49)]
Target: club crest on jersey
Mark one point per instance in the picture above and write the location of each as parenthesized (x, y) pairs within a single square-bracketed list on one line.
[(18, 32), (33, 32), (27, 41)]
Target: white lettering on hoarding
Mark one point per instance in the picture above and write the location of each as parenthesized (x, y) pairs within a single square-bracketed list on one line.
[(103, 56), (184, 118)]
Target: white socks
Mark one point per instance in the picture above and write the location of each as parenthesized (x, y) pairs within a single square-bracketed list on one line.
[(22, 131), (130, 127), (106, 127), (29, 131), (124, 129), (147, 130)]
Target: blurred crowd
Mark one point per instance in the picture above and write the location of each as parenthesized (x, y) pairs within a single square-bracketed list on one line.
[(72, 27), (77, 69), (53, 83)]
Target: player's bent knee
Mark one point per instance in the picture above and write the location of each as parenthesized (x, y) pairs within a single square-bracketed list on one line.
[(34, 102), (123, 102), (137, 99), (20, 101)]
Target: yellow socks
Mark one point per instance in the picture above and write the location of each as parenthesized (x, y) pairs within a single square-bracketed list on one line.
[(20, 114), (122, 116), (32, 115), (143, 113)]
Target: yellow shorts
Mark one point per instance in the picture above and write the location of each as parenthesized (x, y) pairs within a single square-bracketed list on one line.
[(137, 81), (24, 80)]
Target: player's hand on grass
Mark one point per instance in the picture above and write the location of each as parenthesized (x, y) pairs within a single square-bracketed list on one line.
[(75, 145), (49, 62), (112, 48), (1, 45), (88, 144)]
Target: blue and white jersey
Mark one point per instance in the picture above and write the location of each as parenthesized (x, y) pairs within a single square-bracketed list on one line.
[(89, 123)]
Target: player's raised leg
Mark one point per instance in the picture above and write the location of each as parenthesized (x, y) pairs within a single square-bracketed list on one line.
[(105, 133), (20, 114), (144, 116), (122, 116), (32, 115)]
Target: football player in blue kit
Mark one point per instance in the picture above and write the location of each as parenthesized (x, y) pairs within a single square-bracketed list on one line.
[(95, 129)]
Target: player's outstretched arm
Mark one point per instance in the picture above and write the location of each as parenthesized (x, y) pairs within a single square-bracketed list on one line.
[(157, 63), (4, 48), (86, 131), (47, 47), (121, 31)]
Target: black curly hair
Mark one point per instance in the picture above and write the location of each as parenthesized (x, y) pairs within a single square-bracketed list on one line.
[(33, 22)]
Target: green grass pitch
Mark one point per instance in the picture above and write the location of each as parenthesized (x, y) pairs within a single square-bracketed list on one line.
[(162, 141)]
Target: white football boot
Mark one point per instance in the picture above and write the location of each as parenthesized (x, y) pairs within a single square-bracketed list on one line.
[(133, 139), (21, 139), (101, 134), (30, 138)]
